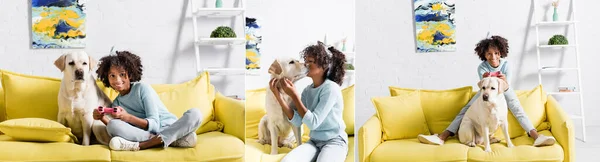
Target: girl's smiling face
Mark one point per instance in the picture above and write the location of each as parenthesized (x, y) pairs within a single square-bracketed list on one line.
[(119, 80), (492, 55)]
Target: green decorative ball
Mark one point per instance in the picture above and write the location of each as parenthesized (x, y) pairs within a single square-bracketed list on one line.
[(223, 32), (558, 40)]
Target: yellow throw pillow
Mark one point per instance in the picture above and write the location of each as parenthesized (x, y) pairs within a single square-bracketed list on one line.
[(439, 106), (534, 103), (2, 109), (37, 129), (348, 94), (401, 116), (255, 110), (28, 96), (210, 126)]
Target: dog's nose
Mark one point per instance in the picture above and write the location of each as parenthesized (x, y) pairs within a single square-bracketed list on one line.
[(78, 74), (485, 97)]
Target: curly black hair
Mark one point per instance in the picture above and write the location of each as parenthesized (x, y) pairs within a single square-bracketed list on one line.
[(129, 61), (322, 59), (494, 42)]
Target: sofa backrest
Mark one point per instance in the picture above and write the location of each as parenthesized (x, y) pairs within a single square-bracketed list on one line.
[(36, 96), (440, 107), (255, 110)]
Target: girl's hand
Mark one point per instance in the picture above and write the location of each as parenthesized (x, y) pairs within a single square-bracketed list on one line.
[(288, 87), (97, 115), (121, 114), (503, 77), (273, 86), (486, 74)]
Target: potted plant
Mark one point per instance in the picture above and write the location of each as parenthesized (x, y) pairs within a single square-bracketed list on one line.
[(558, 40), (223, 32)]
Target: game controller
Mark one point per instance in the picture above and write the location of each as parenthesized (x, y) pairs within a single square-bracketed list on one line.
[(494, 74), (111, 110)]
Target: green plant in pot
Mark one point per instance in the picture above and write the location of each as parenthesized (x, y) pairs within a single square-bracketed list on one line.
[(558, 40), (223, 32), (349, 67)]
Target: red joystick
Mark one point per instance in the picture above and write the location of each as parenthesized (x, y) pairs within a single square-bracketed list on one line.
[(494, 74), (111, 110)]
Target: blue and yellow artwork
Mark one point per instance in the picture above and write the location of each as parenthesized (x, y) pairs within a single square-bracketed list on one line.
[(253, 41), (435, 26), (58, 23)]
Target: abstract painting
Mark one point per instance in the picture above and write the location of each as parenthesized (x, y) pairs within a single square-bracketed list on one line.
[(58, 23), (434, 25), (253, 41)]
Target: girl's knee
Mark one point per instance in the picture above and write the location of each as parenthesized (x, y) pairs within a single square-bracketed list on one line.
[(195, 115)]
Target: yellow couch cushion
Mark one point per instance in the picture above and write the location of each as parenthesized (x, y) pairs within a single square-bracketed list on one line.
[(401, 116), (37, 129), (13, 150), (414, 151), (178, 98), (261, 153), (255, 110), (523, 151), (534, 103), (2, 109), (348, 94), (211, 146), (20, 90), (439, 106)]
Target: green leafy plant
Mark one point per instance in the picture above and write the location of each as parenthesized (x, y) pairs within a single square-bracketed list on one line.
[(349, 67), (558, 40), (223, 32)]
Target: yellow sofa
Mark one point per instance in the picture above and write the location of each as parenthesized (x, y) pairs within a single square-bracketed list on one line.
[(390, 135), (220, 138), (255, 110)]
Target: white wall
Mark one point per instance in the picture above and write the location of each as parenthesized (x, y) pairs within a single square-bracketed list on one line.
[(290, 26), (160, 33), (385, 34)]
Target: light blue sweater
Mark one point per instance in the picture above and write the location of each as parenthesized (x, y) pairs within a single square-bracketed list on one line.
[(143, 102), (486, 67), (325, 106)]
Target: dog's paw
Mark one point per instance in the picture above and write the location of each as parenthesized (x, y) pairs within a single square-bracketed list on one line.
[(494, 140), (273, 152), (470, 144), (510, 145), (488, 149)]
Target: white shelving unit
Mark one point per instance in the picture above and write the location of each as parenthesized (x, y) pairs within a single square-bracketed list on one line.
[(218, 13), (572, 44)]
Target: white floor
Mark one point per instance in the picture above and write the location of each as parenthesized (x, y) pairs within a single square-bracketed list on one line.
[(590, 150)]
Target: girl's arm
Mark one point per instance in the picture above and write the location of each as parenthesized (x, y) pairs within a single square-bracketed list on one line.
[(327, 99)]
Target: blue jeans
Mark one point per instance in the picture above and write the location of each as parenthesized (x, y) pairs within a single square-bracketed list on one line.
[(332, 150), (513, 105), (187, 124)]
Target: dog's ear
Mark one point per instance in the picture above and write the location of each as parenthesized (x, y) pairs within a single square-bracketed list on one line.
[(92, 63), (275, 68), (60, 62), (480, 83), (502, 86)]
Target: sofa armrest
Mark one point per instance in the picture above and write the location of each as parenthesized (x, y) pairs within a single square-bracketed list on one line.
[(561, 128), (231, 113), (369, 137)]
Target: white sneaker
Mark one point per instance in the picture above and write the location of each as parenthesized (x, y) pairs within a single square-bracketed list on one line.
[(430, 139), (121, 144), (188, 140), (544, 141)]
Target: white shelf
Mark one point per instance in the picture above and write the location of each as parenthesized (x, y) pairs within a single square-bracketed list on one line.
[(556, 69), (253, 72), (351, 72), (557, 46), (575, 116), (221, 41), (564, 93), (226, 71), (349, 54), (219, 12), (550, 23)]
